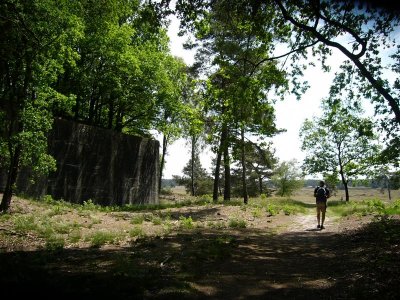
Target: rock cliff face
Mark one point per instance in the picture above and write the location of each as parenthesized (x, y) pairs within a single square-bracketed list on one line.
[(107, 167)]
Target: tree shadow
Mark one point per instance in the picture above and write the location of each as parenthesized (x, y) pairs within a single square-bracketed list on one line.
[(242, 264)]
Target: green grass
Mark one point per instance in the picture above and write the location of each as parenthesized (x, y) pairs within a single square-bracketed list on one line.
[(364, 207), (136, 231), (55, 243), (237, 223), (138, 219), (257, 212), (50, 224), (100, 238), (75, 236), (217, 225), (24, 224)]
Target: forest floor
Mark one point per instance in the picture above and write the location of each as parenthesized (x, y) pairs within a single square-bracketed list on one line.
[(211, 251)]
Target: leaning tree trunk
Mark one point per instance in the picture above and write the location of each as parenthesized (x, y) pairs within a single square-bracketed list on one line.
[(245, 195)]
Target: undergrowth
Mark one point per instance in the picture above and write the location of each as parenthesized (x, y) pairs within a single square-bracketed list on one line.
[(51, 223)]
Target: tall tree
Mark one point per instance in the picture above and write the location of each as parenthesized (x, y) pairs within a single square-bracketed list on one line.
[(193, 122), (196, 179), (232, 45), (36, 43), (287, 178), (171, 107), (340, 142)]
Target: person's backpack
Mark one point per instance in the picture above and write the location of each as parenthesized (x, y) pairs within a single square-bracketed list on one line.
[(321, 193)]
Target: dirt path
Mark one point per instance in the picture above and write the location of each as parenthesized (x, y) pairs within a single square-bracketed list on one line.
[(309, 223)]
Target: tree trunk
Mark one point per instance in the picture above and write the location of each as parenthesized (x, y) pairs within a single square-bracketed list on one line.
[(218, 163), (227, 175), (16, 126), (118, 121), (11, 179), (110, 114), (92, 104), (162, 161), (388, 187), (260, 184), (77, 108), (245, 195), (346, 190), (192, 166), (345, 183)]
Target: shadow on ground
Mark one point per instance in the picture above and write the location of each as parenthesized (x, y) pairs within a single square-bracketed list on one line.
[(245, 264)]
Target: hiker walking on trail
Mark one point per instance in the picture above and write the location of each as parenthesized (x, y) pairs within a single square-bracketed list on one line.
[(321, 194)]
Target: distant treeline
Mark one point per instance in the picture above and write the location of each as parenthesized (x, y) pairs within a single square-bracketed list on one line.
[(376, 183)]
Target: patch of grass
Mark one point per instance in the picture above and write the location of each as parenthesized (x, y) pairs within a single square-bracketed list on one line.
[(55, 243), (364, 207), (63, 228), (257, 212), (136, 231), (94, 221), (288, 210), (156, 220), (5, 217), (57, 209), (46, 228), (25, 224), (393, 208), (90, 205), (137, 219), (167, 225), (216, 225), (272, 210), (237, 223), (75, 236), (100, 238)]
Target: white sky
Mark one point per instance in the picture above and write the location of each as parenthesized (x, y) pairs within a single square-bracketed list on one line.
[(290, 114)]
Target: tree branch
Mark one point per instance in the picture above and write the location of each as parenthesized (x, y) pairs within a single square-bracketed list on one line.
[(354, 58)]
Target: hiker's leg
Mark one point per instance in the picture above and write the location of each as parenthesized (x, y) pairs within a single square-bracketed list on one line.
[(323, 211), (318, 214)]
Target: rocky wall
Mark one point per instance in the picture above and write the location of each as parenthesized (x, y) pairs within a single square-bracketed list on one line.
[(101, 165)]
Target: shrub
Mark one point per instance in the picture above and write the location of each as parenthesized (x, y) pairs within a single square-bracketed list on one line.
[(186, 223)]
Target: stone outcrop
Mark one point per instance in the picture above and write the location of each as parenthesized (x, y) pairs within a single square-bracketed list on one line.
[(95, 164)]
